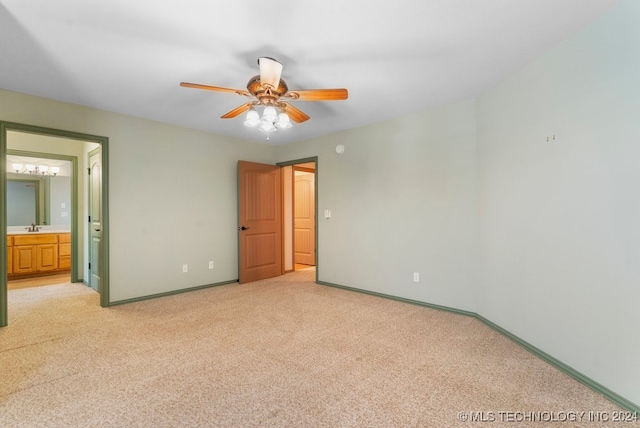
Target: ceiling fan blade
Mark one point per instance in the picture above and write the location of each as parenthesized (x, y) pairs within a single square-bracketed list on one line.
[(214, 88), (294, 113), (270, 71), (238, 110), (318, 94)]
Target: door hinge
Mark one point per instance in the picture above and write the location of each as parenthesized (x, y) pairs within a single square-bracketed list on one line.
[(89, 266), (89, 219), (89, 171)]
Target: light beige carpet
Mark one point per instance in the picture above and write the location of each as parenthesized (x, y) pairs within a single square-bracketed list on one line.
[(283, 352)]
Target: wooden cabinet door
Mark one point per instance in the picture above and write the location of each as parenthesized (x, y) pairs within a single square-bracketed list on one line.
[(46, 257), (24, 259)]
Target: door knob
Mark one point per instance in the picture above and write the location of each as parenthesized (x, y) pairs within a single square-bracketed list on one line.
[(244, 228), (97, 230)]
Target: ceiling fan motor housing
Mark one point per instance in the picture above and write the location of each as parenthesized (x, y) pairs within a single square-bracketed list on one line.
[(266, 94)]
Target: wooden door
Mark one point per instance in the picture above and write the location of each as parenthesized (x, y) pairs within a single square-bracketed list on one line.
[(259, 221), (304, 218), (95, 218)]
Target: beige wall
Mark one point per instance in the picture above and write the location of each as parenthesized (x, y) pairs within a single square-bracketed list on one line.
[(559, 251), (402, 200)]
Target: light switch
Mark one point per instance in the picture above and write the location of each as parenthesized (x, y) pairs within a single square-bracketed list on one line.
[(327, 213), (64, 214), (63, 205)]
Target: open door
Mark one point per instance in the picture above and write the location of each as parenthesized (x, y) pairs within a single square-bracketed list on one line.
[(259, 222), (95, 219), (304, 216)]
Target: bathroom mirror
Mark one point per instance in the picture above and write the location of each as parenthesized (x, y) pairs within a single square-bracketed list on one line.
[(23, 202), (41, 198)]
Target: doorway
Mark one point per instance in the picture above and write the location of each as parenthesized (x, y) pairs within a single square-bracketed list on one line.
[(6, 129), (266, 225), (40, 192), (304, 218), (300, 195)]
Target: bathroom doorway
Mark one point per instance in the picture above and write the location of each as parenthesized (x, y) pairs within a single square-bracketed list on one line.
[(65, 144), (40, 212)]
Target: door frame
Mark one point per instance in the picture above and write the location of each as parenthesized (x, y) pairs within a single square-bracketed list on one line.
[(295, 162), (103, 141)]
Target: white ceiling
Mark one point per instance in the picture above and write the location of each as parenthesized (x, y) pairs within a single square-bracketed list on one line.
[(394, 57)]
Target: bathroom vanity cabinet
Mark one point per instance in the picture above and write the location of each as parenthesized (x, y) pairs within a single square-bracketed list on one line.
[(38, 253)]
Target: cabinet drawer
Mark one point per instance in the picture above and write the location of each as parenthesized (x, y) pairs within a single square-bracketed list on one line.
[(64, 250), (35, 239), (64, 238), (64, 263)]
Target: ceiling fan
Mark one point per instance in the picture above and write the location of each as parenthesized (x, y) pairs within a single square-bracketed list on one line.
[(268, 90)]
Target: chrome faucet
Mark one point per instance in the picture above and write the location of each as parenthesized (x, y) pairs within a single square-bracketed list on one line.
[(33, 228)]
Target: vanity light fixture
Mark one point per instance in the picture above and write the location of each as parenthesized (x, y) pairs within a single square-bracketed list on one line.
[(35, 169)]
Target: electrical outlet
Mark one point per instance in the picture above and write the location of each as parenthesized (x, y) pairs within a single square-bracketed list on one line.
[(210, 265), (185, 268), (416, 277)]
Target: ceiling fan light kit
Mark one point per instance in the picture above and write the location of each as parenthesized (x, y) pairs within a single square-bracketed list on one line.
[(283, 121), (267, 89), (270, 121), (253, 118), (269, 114)]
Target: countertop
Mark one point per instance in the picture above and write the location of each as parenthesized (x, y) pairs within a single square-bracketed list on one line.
[(40, 232)]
